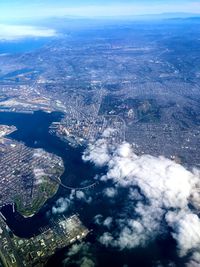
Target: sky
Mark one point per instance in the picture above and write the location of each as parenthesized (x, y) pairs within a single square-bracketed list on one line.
[(20, 9), (22, 18)]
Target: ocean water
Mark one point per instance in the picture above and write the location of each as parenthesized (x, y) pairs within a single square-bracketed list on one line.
[(21, 46)]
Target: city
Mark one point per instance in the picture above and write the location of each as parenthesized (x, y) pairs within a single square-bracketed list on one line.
[(16, 252), (99, 141), (28, 177)]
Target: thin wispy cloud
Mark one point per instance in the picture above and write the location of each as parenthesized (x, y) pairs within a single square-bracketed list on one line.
[(15, 32)]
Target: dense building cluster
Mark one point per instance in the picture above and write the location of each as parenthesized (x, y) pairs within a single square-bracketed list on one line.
[(28, 177), (18, 252)]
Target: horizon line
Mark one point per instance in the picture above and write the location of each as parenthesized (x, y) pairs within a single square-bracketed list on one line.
[(165, 15)]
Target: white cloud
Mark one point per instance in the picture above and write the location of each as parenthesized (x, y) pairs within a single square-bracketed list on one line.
[(82, 196), (186, 226), (62, 205), (97, 153), (137, 232), (98, 219), (107, 222), (194, 260), (159, 179), (15, 32), (110, 192), (135, 195), (169, 264), (80, 255), (160, 190), (106, 239)]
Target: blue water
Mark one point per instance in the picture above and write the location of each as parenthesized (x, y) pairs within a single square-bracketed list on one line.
[(21, 46)]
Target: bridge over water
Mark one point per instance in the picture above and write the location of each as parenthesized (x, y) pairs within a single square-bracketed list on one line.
[(87, 187)]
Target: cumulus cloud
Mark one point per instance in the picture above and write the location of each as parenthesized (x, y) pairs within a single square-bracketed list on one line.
[(80, 195), (194, 260), (98, 219), (169, 264), (110, 192), (106, 239), (186, 226), (160, 192), (97, 153), (80, 255), (61, 205), (135, 195), (107, 222), (135, 232), (15, 32)]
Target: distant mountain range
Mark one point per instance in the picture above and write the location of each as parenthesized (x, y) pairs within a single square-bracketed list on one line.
[(74, 22), (179, 15)]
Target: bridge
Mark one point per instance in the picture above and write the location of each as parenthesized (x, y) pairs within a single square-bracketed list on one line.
[(90, 186), (79, 188)]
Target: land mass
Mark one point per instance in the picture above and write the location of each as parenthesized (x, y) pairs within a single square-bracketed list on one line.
[(28, 177)]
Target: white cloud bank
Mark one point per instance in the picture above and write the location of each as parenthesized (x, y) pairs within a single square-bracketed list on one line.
[(170, 190), (15, 32)]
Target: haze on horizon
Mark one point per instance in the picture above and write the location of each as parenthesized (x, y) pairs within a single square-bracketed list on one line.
[(42, 9)]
